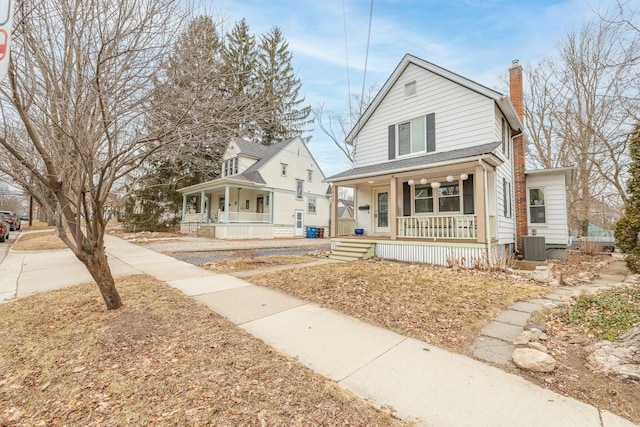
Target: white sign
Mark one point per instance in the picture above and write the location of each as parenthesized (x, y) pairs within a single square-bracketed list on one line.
[(6, 20)]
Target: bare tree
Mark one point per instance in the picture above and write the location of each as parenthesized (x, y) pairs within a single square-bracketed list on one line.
[(337, 126), (577, 111), (79, 85)]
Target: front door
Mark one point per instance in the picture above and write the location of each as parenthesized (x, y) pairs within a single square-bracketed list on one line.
[(299, 225), (381, 210)]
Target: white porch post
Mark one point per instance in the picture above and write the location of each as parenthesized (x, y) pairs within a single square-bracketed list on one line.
[(184, 207), (202, 206), (333, 232), (271, 201), (226, 204), (479, 192), (393, 208)]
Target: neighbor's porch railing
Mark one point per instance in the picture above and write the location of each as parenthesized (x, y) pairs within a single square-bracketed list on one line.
[(438, 227), (346, 226), (241, 217)]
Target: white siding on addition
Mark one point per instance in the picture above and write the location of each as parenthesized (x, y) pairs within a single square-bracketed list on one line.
[(556, 228)]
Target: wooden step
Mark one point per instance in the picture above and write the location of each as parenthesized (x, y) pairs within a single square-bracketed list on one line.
[(349, 251)]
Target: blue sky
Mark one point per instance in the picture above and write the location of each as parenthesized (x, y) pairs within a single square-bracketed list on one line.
[(475, 38)]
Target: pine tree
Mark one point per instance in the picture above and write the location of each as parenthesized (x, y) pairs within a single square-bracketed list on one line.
[(284, 116), (628, 228)]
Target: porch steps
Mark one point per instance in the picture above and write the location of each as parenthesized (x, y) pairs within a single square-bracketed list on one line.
[(350, 251)]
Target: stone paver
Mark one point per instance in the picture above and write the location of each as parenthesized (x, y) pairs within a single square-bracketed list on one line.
[(502, 331), (492, 350), (525, 307), (517, 318)]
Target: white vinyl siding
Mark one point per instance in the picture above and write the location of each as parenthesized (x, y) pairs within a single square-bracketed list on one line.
[(555, 229), (463, 117)]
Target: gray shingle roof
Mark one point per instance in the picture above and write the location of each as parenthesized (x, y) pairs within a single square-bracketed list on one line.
[(417, 162)]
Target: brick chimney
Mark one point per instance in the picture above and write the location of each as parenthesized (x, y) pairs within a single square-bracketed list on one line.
[(520, 186)]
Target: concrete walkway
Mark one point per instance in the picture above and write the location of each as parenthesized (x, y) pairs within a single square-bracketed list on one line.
[(422, 383), (495, 341)]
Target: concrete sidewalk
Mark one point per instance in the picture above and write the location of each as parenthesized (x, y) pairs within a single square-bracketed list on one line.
[(422, 383)]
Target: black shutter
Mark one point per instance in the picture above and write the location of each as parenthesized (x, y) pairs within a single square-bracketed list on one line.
[(392, 142), (406, 199), (504, 196), (467, 196), (431, 132)]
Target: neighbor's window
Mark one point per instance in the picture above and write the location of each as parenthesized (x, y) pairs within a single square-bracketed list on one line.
[(410, 89), (309, 175), (283, 169), (424, 199), (449, 197), (411, 137), (537, 214), (311, 206), (231, 167), (299, 184)]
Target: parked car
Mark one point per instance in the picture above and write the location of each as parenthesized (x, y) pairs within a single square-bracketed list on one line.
[(4, 228), (24, 217), (12, 219)]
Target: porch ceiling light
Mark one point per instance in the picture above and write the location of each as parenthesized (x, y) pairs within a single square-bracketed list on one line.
[(423, 181), (411, 182), (435, 185), (464, 176), (450, 178), (370, 182)]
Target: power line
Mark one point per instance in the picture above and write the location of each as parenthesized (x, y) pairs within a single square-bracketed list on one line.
[(366, 57), (346, 51)]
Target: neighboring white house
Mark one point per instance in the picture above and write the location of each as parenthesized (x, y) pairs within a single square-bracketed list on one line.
[(264, 192), (435, 170)]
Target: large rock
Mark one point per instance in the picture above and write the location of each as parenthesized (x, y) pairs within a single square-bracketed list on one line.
[(620, 358), (533, 360), (542, 275)]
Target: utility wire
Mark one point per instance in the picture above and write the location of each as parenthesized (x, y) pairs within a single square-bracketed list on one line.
[(366, 57), (346, 51)]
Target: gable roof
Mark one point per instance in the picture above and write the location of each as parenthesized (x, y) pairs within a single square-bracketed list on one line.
[(403, 165), (503, 101), (262, 152)]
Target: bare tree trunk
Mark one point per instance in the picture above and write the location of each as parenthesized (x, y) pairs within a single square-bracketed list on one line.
[(99, 269)]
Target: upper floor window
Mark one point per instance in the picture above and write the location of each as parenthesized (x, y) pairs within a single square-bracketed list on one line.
[(309, 175), (231, 167), (283, 169), (410, 89), (412, 137), (299, 184), (505, 138), (537, 207)]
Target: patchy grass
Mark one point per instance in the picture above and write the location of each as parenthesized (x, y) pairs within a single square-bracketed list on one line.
[(430, 303), (161, 360), (35, 226), (39, 241), (231, 265), (606, 315)]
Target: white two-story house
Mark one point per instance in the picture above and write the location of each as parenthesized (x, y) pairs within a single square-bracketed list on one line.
[(434, 174), (264, 192)]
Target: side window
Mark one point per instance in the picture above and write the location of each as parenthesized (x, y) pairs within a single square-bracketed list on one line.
[(537, 207), (309, 175), (299, 188), (506, 198), (283, 169), (311, 206)]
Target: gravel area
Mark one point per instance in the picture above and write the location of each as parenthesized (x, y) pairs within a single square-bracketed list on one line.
[(196, 244), (203, 257)]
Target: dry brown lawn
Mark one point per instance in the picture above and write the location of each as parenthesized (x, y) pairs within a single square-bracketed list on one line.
[(161, 360), (39, 241), (435, 304)]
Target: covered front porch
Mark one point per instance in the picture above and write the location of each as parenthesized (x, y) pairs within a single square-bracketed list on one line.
[(454, 203), (224, 207)]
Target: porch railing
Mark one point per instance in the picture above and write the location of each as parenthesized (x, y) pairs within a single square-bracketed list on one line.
[(346, 226), (438, 227), (239, 217)]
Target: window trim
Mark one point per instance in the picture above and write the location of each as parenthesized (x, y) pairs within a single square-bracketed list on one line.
[(309, 175), (544, 205), (311, 200), (435, 196), (283, 169), (412, 84), (424, 135), (299, 189)]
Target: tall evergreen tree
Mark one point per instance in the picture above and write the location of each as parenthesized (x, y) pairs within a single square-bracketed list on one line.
[(628, 228), (285, 116)]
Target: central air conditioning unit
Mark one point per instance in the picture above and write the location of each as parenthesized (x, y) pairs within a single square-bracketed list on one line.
[(534, 248)]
